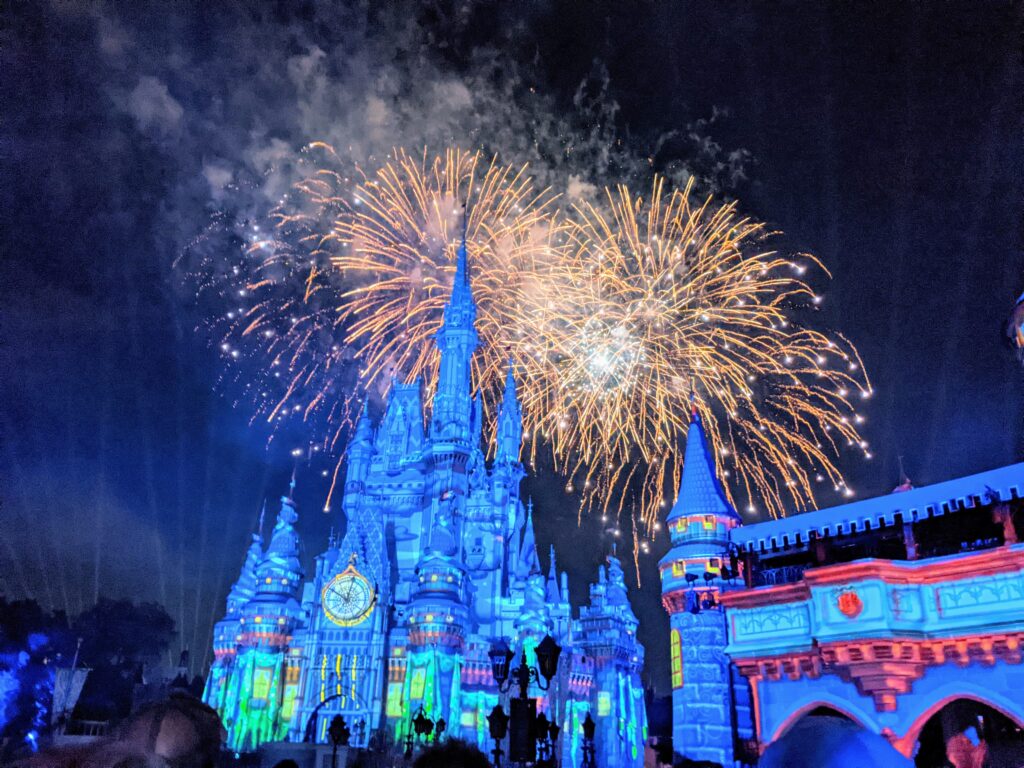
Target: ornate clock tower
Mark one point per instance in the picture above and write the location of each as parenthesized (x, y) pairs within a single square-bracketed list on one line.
[(348, 615)]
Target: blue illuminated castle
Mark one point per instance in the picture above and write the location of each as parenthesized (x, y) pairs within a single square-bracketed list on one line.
[(437, 562)]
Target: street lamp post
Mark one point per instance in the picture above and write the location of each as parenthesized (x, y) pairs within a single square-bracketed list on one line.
[(589, 727), (497, 722), (524, 730), (547, 735)]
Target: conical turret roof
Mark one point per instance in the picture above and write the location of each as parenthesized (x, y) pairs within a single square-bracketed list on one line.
[(700, 492)]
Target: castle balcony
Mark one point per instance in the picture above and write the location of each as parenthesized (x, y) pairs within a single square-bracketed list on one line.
[(911, 605)]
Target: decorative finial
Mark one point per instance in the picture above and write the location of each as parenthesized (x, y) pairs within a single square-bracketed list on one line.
[(905, 483), (291, 483), (263, 513)]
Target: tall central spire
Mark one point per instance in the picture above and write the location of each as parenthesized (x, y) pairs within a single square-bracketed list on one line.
[(457, 340)]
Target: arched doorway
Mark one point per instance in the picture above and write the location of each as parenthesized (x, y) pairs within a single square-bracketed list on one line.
[(966, 733)]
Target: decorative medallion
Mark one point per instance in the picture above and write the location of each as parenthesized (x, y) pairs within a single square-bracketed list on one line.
[(849, 603)]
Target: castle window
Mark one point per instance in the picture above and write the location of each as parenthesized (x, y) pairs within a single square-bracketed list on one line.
[(709, 522), (676, 652)]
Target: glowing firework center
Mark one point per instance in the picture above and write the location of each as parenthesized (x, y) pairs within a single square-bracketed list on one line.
[(606, 356), (438, 560)]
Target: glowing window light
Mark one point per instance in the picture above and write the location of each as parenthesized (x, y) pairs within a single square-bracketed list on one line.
[(676, 652)]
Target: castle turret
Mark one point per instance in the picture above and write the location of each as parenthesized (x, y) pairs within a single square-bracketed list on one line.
[(227, 631), (271, 614), (255, 705), (242, 591), (691, 579), (606, 633), (400, 435), (438, 622)]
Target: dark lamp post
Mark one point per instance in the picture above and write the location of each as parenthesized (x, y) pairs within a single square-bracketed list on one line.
[(548, 652), (423, 724), (589, 727), (497, 721), (524, 727), (542, 725), (501, 659)]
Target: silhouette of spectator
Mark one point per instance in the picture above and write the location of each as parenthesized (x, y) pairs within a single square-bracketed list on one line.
[(179, 732), (452, 754)]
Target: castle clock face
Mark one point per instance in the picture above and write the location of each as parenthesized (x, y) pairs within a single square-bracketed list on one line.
[(348, 598)]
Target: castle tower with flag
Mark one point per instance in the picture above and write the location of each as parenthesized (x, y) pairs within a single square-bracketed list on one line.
[(438, 561)]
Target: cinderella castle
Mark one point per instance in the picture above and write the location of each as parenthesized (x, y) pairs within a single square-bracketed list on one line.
[(437, 563)]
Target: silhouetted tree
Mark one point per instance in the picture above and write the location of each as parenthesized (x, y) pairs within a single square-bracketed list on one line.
[(119, 638)]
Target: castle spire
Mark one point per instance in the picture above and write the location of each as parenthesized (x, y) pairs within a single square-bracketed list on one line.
[(364, 427), (553, 593), (461, 265), (457, 340), (700, 492), (528, 562), (509, 435)]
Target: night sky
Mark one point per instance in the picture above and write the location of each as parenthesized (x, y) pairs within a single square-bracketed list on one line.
[(886, 138)]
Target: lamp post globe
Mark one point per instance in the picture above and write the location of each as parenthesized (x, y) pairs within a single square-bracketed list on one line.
[(589, 728), (500, 656), (497, 721), (548, 652)]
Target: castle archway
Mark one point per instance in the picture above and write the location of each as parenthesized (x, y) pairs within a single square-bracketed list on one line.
[(966, 731), (819, 707)]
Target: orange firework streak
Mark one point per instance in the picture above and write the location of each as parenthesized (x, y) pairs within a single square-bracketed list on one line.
[(615, 315)]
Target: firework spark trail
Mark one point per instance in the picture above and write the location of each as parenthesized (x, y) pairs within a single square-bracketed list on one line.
[(348, 287), (616, 314), (665, 300)]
